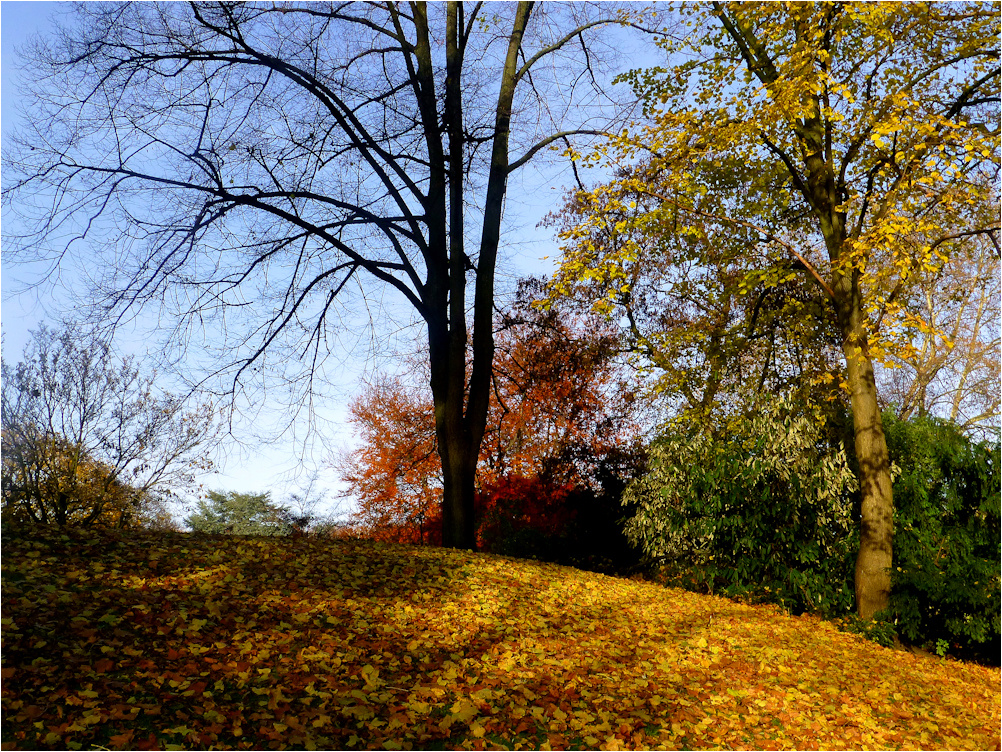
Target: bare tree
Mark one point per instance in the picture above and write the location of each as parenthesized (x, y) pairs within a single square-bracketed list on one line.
[(251, 164), (951, 368), (88, 439)]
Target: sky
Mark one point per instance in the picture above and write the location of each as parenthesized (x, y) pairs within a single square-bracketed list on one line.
[(276, 467)]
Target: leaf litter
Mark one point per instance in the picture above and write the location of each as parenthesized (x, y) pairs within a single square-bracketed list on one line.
[(169, 641)]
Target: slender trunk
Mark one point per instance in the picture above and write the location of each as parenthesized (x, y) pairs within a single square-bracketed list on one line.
[(876, 529), (444, 290)]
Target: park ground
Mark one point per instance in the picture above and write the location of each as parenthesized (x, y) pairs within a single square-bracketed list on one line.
[(128, 640)]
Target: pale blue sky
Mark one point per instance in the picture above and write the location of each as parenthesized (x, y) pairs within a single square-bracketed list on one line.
[(263, 468)]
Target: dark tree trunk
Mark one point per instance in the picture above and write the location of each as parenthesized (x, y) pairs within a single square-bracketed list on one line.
[(461, 407)]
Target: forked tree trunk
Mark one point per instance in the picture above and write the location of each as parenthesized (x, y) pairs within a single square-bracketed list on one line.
[(461, 407)]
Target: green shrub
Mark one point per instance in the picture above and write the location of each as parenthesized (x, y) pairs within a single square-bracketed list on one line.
[(770, 513), (762, 514), (946, 578), (240, 514)]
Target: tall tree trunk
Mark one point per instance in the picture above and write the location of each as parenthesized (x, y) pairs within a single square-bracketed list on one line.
[(462, 447), (463, 418), (876, 529)]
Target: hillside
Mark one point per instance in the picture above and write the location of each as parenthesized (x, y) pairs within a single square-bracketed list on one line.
[(140, 641)]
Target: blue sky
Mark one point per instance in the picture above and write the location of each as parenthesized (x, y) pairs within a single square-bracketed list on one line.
[(263, 467), (18, 21)]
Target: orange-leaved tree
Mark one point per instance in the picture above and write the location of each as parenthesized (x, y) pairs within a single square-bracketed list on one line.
[(394, 474), (560, 415)]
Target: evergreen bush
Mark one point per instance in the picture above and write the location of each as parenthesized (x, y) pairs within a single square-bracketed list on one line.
[(764, 513), (946, 578)]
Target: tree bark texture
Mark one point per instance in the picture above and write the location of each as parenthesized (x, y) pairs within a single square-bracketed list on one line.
[(876, 531)]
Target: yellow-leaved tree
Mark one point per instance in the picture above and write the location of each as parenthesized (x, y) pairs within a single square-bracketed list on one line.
[(861, 147)]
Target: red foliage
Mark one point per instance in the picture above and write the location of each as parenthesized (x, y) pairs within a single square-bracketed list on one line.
[(395, 474), (557, 409), (515, 503)]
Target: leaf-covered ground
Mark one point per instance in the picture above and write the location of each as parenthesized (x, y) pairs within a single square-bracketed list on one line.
[(147, 641)]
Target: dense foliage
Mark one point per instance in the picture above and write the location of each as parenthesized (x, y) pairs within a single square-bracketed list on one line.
[(763, 510), (947, 557), (766, 512), (569, 523), (240, 514), (561, 436), (121, 640)]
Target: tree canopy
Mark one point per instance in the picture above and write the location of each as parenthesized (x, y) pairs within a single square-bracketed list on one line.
[(864, 145)]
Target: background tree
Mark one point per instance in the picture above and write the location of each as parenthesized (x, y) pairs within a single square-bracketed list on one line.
[(87, 439), (51, 481), (561, 402), (951, 367), (562, 438), (883, 121), (252, 164), (716, 339), (237, 513), (394, 475), (306, 508), (561, 421)]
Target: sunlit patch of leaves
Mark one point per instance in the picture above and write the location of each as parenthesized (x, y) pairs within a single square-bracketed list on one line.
[(141, 641)]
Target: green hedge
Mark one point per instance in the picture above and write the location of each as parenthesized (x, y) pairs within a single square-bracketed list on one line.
[(946, 578), (770, 513)]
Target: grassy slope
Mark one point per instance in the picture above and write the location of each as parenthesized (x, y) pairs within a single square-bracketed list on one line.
[(142, 641)]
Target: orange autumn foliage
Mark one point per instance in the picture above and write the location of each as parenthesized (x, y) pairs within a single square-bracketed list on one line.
[(395, 473), (558, 410)]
